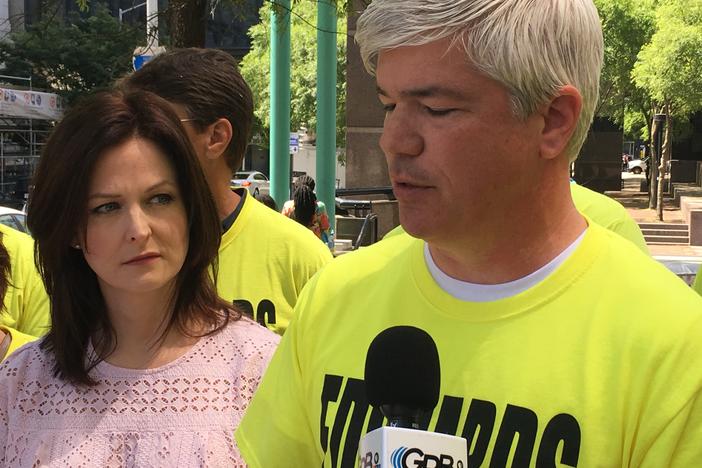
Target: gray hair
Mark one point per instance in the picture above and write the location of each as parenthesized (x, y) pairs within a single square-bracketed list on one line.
[(532, 47)]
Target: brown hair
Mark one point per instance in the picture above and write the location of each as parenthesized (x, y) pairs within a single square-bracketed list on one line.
[(5, 270), (58, 210), (208, 84)]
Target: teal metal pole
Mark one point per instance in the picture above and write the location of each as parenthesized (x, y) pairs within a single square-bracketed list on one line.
[(280, 103), (326, 105)]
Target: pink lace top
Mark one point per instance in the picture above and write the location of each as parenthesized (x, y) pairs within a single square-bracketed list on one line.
[(182, 414)]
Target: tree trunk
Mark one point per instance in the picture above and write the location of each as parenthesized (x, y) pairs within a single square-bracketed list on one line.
[(652, 161), (187, 22), (665, 157), (648, 116)]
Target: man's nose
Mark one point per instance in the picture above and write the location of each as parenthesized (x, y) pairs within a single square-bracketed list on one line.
[(401, 136)]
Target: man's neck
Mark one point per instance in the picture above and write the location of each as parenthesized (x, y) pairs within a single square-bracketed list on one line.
[(513, 246), (227, 200)]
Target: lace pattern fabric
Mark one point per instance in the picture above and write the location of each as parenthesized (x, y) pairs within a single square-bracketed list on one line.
[(181, 414)]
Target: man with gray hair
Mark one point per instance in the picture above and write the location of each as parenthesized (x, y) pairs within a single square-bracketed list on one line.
[(543, 361)]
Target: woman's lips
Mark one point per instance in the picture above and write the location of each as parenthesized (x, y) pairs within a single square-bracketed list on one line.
[(141, 259)]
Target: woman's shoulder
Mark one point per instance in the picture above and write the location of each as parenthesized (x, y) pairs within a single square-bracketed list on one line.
[(247, 330), (28, 356), (29, 363), (240, 343), (18, 339)]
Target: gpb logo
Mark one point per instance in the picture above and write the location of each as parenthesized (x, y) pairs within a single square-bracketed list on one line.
[(404, 457), (397, 458)]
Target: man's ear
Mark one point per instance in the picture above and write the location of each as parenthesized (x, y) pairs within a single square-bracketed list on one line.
[(219, 135), (560, 119)]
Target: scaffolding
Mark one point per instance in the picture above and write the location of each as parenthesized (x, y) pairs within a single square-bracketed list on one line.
[(21, 141)]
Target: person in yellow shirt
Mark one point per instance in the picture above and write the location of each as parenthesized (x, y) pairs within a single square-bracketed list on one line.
[(25, 311), (544, 362), (608, 213), (265, 258), (697, 285)]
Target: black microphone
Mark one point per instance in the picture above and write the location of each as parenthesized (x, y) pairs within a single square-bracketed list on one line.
[(403, 379), (403, 375)]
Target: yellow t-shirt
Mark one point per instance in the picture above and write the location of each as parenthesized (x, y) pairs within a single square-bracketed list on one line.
[(26, 303), (599, 208), (607, 213), (19, 339), (264, 261), (570, 372), (697, 285)]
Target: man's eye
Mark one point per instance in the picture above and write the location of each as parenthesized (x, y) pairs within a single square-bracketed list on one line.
[(162, 199), (388, 107), (438, 112), (105, 208)]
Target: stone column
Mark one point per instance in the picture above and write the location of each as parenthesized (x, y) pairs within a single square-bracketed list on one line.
[(365, 163)]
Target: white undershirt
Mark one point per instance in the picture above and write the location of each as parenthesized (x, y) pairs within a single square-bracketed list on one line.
[(492, 292)]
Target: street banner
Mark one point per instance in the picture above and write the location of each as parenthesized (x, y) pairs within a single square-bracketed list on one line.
[(30, 104)]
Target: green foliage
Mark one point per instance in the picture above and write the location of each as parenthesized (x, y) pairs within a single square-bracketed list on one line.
[(73, 57), (668, 67), (627, 25), (651, 58), (255, 68), (635, 125)]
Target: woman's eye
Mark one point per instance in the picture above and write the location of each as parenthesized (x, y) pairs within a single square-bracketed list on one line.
[(162, 199), (105, 208)]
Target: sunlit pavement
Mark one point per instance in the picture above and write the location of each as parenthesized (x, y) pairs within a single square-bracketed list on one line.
[(684, 260)]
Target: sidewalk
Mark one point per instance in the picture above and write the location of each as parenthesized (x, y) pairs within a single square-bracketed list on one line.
[(636, 203)]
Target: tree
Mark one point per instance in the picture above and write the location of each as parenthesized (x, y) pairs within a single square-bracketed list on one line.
[(255, 68), (186, 20), (73, 57), (627, 25), (668, 69)]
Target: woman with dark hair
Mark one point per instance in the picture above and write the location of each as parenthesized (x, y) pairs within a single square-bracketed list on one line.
[(307, 210), (144, 365)]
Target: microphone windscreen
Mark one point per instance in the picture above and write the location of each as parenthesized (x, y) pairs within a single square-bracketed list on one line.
[(402, 368)]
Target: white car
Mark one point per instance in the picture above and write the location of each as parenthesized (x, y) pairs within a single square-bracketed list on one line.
[(637, 166), (255, 182), (16, 219)]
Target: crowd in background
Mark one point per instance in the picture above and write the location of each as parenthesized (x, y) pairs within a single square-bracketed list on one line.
[(142, 320)]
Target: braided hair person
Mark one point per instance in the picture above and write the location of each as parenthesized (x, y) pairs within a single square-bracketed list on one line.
[(317, 221)]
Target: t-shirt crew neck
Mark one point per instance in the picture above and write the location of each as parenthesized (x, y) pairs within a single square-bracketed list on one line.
[(264, 261), (474, 292), (231, 217), (587, 250)]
